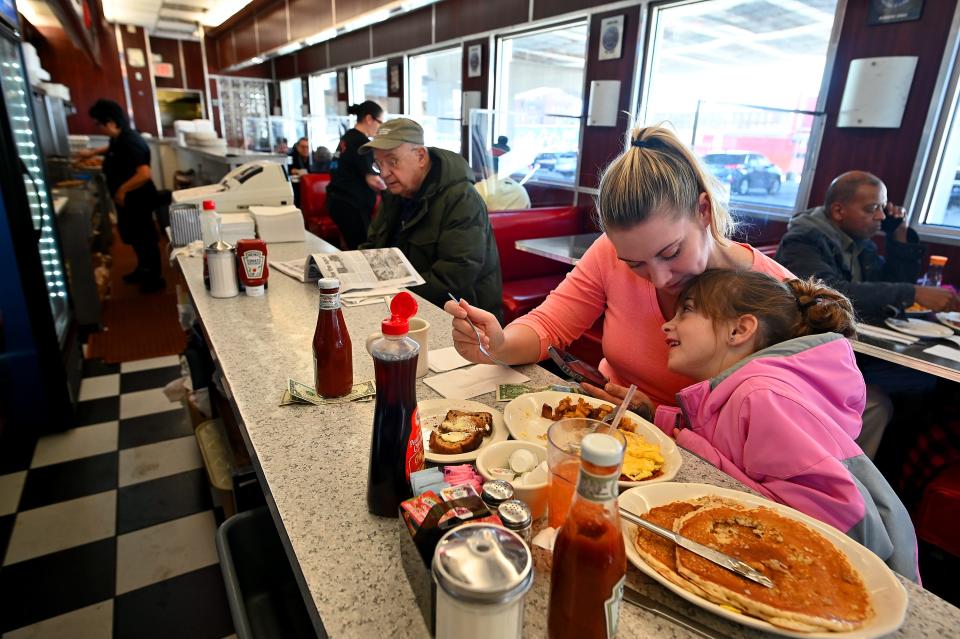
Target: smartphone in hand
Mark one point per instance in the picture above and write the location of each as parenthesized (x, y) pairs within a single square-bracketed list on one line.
[(577, 369)]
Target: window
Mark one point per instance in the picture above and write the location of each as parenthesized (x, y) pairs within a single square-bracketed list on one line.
[(741, 82), (369, 82), (540, 102), (326, 125), (291, 98), (434, 81), (936, 201)]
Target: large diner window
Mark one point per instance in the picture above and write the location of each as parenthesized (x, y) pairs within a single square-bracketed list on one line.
[(540, 102), (434, 96), (743, 83), (325, 124), (936, 201), (369, 82)]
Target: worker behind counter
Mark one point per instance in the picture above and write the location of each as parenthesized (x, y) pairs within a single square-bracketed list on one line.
[(126, 167)]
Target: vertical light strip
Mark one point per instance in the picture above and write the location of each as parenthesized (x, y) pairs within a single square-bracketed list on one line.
[(183, 65), (433, 23), (124, 73), (286, 10), (153, 81)]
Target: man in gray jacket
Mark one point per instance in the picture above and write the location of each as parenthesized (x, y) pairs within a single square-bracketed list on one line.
[(432, 213)]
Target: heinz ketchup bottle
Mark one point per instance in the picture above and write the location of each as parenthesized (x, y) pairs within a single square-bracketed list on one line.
[(589, 559), (396, 449), (332, 349)]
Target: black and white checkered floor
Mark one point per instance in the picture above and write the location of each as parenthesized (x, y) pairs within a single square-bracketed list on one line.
[(107, 530)]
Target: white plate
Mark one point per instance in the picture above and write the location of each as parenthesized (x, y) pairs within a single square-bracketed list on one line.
[(887, 594), (432, 412), (522, 416), (950, 319), (919, 328)]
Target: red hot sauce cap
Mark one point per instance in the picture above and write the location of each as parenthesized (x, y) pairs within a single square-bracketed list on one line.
[(402, 308)]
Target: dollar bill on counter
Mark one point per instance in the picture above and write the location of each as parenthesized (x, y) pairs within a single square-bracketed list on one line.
[(508, 392), (290, 400), (300, 393)]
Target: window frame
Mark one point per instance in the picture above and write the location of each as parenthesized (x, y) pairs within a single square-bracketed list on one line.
[(943, 119), (641, 101), (496, 84)]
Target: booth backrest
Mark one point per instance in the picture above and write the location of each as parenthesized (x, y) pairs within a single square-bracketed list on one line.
[(510, 226), (313, 194)]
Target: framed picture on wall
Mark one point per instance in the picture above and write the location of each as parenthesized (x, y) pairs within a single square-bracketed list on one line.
[(611, 38), (394, 78), (475, 61), (888, 11), (341, 82)]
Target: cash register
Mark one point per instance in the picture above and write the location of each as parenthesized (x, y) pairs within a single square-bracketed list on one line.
[(261, 183)]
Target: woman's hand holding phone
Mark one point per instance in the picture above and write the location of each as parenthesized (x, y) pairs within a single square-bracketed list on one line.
[(465, 339), (614, 393)]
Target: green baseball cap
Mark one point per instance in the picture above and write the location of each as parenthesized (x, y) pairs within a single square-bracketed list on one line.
[(393, 133)]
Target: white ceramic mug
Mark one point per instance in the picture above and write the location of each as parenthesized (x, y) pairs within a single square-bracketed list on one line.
[(418, 328)]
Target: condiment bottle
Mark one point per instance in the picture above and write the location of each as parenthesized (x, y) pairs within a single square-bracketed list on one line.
[(396, 449), (589, 560), (934, 274), (482, 572), (209, 223), (252, 265), (332, 349)]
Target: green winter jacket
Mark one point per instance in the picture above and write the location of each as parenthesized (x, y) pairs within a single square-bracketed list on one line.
[(448, 239)]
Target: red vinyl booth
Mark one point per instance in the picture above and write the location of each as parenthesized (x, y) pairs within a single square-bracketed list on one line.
[(937, 518), (528, 278), (313, 204)]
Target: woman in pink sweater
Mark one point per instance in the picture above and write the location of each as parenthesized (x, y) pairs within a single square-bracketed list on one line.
[(664, 225), (777, 402)]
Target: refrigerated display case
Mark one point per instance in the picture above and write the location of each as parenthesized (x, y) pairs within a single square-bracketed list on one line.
[(39, 356)]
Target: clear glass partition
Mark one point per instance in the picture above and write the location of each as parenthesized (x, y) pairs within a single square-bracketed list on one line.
[(438, 132), (240, 99), (326, 131), (265, 133)]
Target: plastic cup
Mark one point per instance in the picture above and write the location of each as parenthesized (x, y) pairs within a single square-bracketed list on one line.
[(563, 461)]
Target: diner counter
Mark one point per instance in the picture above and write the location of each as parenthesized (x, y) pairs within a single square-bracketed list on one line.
[(312, 465)]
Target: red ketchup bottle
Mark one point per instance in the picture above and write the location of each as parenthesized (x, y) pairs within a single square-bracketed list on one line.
[(397, 446), (589, 559), (252, 265), (332, 349)]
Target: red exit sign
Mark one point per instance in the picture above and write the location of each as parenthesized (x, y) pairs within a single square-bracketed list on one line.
[(163, 70)]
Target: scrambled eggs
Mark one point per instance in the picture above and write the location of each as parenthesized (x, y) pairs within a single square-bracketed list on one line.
[(641, 459)]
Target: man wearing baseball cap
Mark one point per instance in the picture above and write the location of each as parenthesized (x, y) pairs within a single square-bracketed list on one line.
[(432, 213)]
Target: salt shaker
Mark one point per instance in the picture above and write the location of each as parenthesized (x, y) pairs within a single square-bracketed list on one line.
[(222, 268), (482, 572), (516, 516)]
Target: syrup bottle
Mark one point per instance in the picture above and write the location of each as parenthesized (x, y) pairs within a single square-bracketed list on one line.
[(396, 448), (332, 349), (589, 559)]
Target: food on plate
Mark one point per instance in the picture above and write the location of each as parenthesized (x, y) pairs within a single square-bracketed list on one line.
[(916, 308), (815, 586), (522, 461), (642, 459), (455, 442), (566, 409), (461, 432)]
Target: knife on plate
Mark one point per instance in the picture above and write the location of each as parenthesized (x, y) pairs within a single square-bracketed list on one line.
[(653, 606), (721, 559)]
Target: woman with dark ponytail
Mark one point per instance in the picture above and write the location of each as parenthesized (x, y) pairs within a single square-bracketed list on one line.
[(778, 402), (352, 192)]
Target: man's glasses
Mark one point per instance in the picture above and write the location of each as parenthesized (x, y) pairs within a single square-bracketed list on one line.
[(390, 163)]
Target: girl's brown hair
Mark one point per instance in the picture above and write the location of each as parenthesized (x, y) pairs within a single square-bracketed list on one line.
[(784, 310), (656, 173)]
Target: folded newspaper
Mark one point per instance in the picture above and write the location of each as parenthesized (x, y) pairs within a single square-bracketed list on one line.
[(386, 268)]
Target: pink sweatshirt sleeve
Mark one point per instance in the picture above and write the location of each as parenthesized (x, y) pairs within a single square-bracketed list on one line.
[(575, 304), (699, 446), (666, 419)]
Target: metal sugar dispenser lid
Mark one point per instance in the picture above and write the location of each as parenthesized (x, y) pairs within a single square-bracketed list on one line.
[(219, 247), (483, 564)]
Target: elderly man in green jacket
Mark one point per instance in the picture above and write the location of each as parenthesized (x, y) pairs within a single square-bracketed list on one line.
[(433, 214)]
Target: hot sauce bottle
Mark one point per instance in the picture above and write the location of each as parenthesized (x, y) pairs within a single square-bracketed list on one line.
[(589, 560), (396, 448), (332, 349)]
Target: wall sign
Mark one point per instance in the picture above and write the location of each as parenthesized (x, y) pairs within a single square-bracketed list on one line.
[(475, 61), (394, 78), (888, 11), (135, 58), (611, 38), (341, 82), (163, 70)]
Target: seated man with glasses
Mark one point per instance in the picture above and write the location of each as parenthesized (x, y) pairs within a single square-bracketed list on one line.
[(432, 213)]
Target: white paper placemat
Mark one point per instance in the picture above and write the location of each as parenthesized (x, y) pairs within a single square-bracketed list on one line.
[(465, 383), (446, 359), (944, 351)]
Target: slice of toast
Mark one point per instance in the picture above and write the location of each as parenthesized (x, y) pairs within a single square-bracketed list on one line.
[(455, 442), (465, 421)]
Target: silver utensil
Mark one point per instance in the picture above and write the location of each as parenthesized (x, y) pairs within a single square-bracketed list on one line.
[(655, 607), (480, 339), (721, 559), (617, 415)]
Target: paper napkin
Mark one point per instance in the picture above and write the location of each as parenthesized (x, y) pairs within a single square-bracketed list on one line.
[(465, 383), (944, 351), (446, 359)]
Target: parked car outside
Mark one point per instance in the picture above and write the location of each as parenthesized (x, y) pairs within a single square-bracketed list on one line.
[(564, 163), (745, 170)]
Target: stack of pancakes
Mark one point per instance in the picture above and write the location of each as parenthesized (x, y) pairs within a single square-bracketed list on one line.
[(815, 587)]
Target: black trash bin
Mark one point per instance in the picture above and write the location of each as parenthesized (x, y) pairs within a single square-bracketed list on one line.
[(264, 598)]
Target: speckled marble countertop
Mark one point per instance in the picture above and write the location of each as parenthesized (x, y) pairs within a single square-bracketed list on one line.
[(312, 463)]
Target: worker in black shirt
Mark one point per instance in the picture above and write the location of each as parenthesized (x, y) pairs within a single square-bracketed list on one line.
[(126, 166), (352, 192), (300, 158)]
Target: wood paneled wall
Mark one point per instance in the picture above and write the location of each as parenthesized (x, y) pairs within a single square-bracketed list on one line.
[(143, 104)]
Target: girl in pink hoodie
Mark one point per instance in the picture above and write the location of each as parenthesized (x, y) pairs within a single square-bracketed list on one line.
[(780, 400)]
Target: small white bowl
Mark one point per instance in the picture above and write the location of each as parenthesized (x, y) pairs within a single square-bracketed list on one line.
[(498, 454)]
